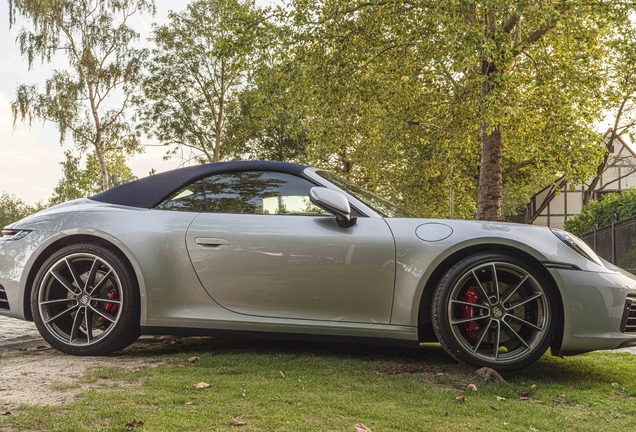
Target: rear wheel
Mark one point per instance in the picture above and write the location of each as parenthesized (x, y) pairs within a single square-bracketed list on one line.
[(494, 310), (85, 301)]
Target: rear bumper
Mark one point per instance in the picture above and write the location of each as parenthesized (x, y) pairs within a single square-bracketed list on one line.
[(594, 309)]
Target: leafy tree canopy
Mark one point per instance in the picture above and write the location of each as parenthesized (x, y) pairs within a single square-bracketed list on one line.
[(78, 182), (89, 99), (12, 209)]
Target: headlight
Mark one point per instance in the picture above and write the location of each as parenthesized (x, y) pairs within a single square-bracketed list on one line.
[(578, 245), (12, 235)]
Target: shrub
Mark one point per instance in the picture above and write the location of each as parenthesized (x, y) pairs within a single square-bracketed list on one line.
[(623, 205)]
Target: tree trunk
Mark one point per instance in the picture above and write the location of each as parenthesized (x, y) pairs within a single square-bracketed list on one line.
[(490, 188), (490, 192), (102, 162)]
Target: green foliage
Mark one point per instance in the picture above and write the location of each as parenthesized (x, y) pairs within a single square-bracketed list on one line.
[(201, 60), (12, 209), (78, 183), (535, 72), (623, 205), (96, 39)]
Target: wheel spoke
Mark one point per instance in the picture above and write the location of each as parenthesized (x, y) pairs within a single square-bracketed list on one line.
[(89, 325), (480, 286), (482, 335), (65, 283), (465, 320), (48, 302), (463, 303), (525, 300), (495, 283), (76, 277), (90, 280), (516, 288), (103, 313), (101, 283), (526, 323), (517, 335), (495, 348), (61, 314), (117, 302), (76, 325)]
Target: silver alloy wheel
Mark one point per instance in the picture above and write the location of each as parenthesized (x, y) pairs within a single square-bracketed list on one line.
[(80, 299), (498, 312)]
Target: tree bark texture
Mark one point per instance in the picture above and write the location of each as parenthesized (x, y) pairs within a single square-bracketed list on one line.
[(490, 193)]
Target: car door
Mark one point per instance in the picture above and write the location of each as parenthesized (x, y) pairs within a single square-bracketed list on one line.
[(262, 248)]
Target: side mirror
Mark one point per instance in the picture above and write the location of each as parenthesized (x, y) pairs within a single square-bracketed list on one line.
[(335, 202)]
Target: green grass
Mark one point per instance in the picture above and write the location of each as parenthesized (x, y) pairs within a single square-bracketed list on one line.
[(333, 387)]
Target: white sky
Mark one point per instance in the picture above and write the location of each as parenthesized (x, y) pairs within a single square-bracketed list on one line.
[(30, 157)]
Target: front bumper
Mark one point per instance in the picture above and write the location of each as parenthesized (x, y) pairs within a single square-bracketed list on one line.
[(594, 310), (16, 260)]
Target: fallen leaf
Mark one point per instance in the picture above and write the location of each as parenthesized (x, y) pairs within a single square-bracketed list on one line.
[(361, 428), (179, 366), (525, 394), (193, 359), (499, 398), (103, 377), (534, 387), (615, 384), (6, 413), (133, 425), (461, 398), (22, 349), (41, 347), (201, 385), (523, 398), (238, 422), (282, 374), (494, 407), (244, 393), (135, 370), (562, 396), (408, 392), (472, 387), (188, 403)]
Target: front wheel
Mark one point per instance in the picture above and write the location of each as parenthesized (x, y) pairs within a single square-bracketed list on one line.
[(493, 310), (85, 301)]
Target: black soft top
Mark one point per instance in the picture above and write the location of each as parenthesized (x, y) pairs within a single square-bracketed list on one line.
[(150, 191)]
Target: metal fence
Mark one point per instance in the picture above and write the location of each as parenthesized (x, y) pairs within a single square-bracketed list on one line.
[(615, 243)]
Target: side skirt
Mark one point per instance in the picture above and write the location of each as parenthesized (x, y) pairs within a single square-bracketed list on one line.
[(245, 334)]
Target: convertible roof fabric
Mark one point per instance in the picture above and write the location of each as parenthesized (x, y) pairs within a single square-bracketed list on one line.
[(150, 191)]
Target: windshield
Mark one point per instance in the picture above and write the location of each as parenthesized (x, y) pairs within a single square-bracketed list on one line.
[(380, 205)]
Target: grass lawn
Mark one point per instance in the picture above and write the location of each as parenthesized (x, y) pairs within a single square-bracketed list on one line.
[(331, 387)]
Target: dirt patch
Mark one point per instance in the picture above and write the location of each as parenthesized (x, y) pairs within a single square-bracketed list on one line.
[(34, 374)]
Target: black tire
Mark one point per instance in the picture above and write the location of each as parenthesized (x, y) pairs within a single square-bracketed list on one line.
[(506, 325), (85, 301)]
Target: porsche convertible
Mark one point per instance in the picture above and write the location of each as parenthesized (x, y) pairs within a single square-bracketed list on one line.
[(280, 250)]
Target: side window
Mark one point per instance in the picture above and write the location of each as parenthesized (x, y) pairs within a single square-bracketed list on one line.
[(256, 192), (259, 192), (189, 199)]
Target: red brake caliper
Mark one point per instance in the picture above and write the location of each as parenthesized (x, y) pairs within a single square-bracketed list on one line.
[(470, 296), (111, 308)]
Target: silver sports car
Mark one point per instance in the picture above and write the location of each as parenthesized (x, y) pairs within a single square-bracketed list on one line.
[(282, 250)]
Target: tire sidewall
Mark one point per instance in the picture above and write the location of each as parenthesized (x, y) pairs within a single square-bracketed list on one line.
[(129, 307), (441, 321)]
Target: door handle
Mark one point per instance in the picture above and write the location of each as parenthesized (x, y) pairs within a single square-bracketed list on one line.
[(211, 242)]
